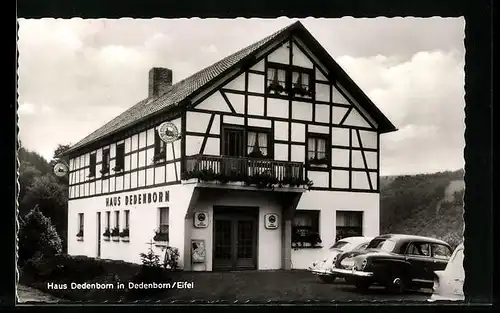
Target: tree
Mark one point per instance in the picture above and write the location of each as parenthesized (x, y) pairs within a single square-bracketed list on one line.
[(37, 234)]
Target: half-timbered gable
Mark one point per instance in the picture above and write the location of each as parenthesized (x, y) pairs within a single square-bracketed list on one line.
[(255, 129)]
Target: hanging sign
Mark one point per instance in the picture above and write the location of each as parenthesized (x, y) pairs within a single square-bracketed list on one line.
[(60, 169), (168, 132)]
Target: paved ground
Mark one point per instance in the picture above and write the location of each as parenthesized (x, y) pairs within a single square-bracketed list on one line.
[(248, 286), (28, 294)]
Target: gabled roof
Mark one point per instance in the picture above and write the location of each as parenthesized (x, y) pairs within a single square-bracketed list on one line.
[(195, 83)]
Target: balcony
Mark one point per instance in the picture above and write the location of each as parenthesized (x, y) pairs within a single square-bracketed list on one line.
[(261, 173)]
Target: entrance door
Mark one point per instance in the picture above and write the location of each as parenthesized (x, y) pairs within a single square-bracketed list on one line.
[(98, 234), (235, 239)]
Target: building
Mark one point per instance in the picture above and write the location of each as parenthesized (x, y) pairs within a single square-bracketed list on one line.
[(231, 192)]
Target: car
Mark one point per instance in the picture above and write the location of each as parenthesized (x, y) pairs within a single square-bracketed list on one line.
[(397, 261), (449, 284), (322, 268)]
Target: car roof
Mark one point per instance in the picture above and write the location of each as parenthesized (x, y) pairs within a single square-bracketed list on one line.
[(405, 237)]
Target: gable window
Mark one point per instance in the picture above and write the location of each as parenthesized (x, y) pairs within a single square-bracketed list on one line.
[(79, 235), (105, 161), (276, 79), (92, 165), (258, 143), (289, 80), (160, 149), (302, 84), (120, 157), (305, 228), (317, 152), (348, 224), (162, 231)]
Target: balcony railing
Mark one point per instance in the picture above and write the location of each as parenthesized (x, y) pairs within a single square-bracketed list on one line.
[(260, 172)]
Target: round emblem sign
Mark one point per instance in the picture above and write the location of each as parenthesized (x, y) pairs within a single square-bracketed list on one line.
[(60, 169), (168, 132), (201, 217), (272, 219)]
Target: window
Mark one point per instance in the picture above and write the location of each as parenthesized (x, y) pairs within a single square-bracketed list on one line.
[(418, 248), (117, 219), (92, 165), (108, 220), (120, 157), (127, 215), (160, 148), (233, 142), (349, 224), (80, 225), (441, 251), (317, 152), (162, 232), (291, 80), (276, 80), (105, 161), (258, 143), (305, 228)]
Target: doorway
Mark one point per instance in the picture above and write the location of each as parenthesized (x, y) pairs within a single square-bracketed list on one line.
[(235, 238), (98, 234)]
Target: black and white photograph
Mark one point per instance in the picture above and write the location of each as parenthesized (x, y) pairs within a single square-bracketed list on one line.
[(260, 160)]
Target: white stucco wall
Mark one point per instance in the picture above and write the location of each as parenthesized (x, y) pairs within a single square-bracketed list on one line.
[(328, 203), (143, 222)]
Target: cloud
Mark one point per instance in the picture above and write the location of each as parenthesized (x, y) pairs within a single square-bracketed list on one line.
[(424, 98)]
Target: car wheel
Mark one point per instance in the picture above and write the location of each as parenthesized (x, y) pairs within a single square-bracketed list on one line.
[(362, 285), (327, 279)]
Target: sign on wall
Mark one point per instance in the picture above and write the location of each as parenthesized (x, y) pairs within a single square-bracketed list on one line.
[(271, 221), (139, 198), (200, 219), (168, 132), (198, 251)]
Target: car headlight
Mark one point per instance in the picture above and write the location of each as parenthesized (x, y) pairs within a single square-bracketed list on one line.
[(334, 260)]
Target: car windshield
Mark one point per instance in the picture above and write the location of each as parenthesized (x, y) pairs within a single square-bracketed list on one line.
[(382, 244)]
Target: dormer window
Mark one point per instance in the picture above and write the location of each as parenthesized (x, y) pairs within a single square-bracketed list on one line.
[(160, 149), (289, 80)]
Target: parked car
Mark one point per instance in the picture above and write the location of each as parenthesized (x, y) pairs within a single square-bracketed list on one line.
[(398, 262), (322, 268), (449, 284)]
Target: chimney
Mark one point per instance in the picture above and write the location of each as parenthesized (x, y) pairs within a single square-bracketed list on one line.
[(160, 79)]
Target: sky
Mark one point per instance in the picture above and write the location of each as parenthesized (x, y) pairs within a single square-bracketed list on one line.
[(77, 74)]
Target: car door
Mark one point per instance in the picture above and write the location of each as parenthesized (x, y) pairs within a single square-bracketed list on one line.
[(418, 254)]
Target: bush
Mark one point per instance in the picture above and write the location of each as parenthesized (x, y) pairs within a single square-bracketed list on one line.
[(36, 234)]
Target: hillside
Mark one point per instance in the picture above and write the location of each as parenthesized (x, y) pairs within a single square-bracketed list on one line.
[(424, 204)]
